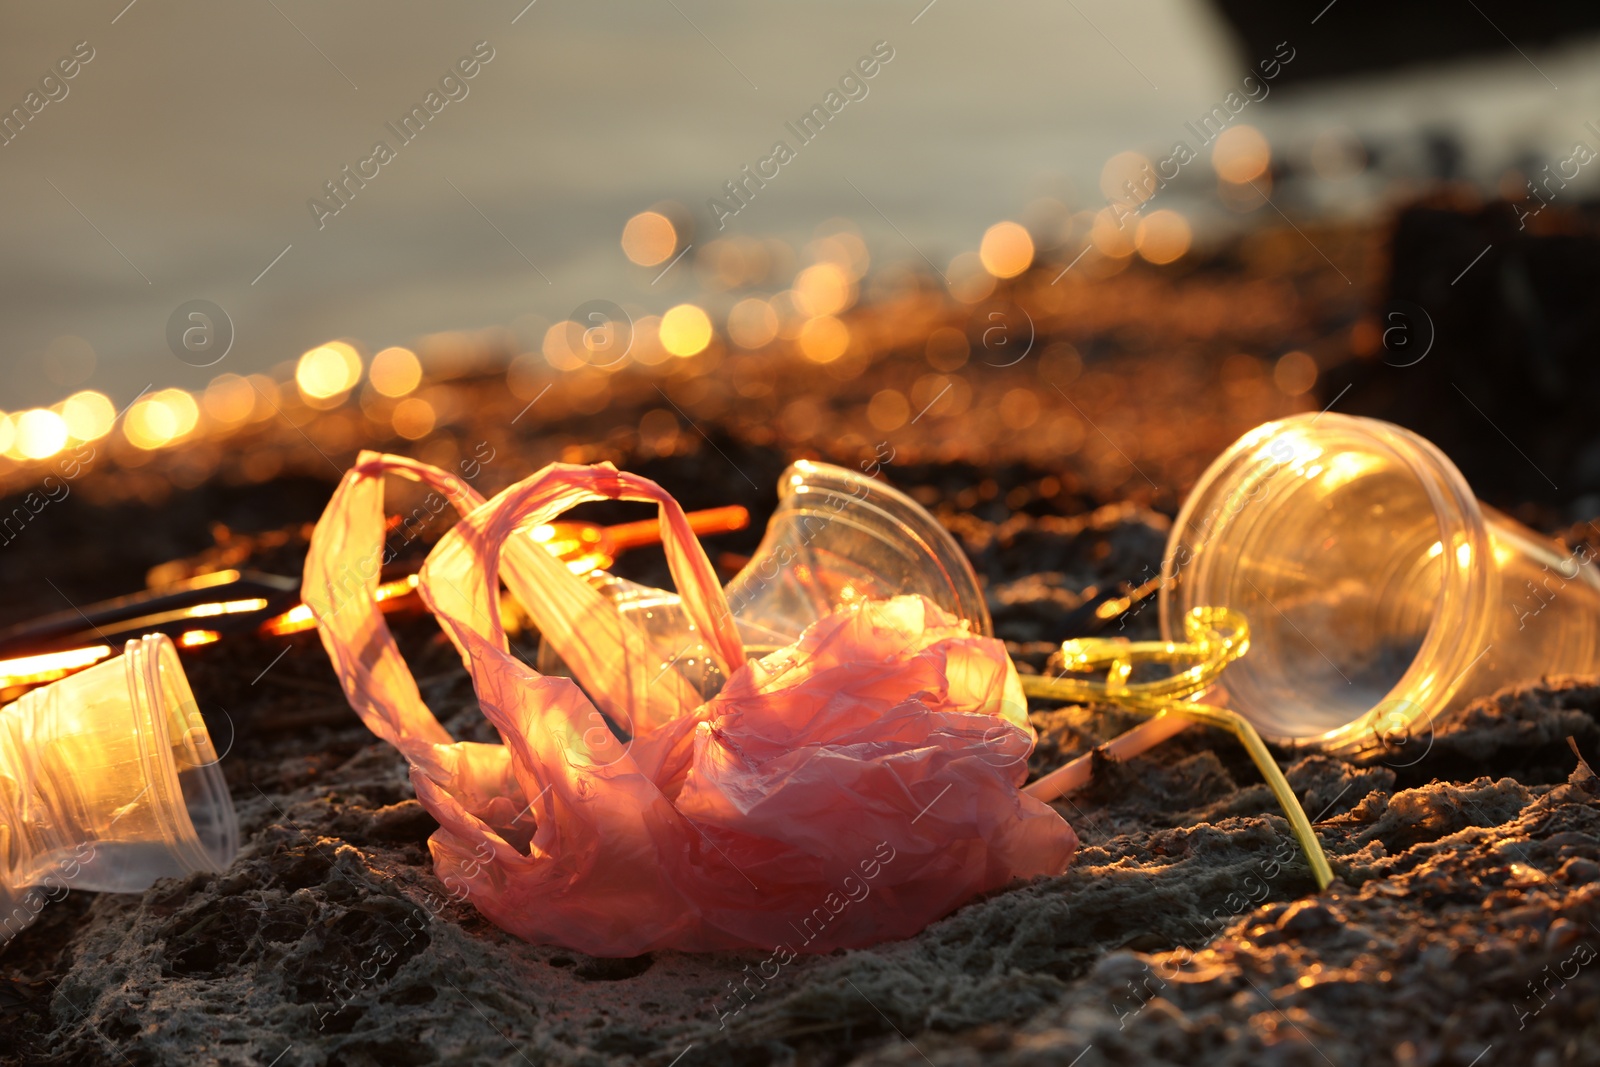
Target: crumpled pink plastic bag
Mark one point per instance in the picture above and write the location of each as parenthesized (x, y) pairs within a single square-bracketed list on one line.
[(847, 789)]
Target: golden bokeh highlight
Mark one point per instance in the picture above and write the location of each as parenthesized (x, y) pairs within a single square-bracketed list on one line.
[(88, 415), (1240, 155), (149, 424), (937, 396), (267, 397), (160, 419), (790, 317), (1162, 237), (824, 339), (327, 372), (563, 346), (685, 330), (844, 248), (40, 434), (1112, 237), (1126, 177), (8, 433), (823, 289), (1294, 374), (647, 350), (395, 372), (888, 410), (1006, 250), (968, 279), (658, 430), (413, 418), (649, 238), (229, 399), (752, 323)]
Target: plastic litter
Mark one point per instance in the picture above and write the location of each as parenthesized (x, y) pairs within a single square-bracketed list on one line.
[(108, 782), (848, 788), (1381, 595), (836, 538)]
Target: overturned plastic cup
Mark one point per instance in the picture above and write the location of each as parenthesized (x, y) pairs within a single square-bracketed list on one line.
[(837, 538), (1380, 593), (108, 782)]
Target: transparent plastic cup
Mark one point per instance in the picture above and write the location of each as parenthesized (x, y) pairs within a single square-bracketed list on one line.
[(1380, 593), (837, 537), (108, 781)]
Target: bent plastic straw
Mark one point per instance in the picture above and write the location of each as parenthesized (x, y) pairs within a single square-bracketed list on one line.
[(1217, 637)]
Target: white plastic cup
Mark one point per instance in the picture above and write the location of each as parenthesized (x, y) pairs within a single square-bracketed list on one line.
[(1380, 593), (108, 782)]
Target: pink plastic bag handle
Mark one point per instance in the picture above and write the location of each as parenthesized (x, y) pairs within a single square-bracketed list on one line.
[(604, 650), (345, 561), (343, 569)]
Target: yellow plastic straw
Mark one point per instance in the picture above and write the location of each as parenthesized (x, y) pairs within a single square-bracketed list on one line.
[(1216, 637)]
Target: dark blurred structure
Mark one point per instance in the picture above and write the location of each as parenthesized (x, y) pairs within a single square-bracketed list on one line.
[(1334, 38), (1488, 347)]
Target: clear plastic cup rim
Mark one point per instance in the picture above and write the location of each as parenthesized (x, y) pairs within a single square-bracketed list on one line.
[(897, 511), (1447, 654)]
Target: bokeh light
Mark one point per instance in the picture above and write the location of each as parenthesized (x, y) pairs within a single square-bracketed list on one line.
[(413, 418), (395, 372), (8, 433), (647, 350), (328, 371), (267, 397), (685, 330), (1240, 155), (1162, 237), (888, 410), (752, 323), (1127, 177), (1294, 374), (563, 346), (229, 399), (844, 248), (823, 289), (88, 415), (1113, 236), (1006, 250), (823, 339), (968, 279), (1019, 409), (40, 434), (658, 430), (649, 238), (947, 349), (185, 412), (152, 422)]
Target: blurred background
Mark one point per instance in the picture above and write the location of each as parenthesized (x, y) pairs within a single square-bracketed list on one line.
[(1080, 221)]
